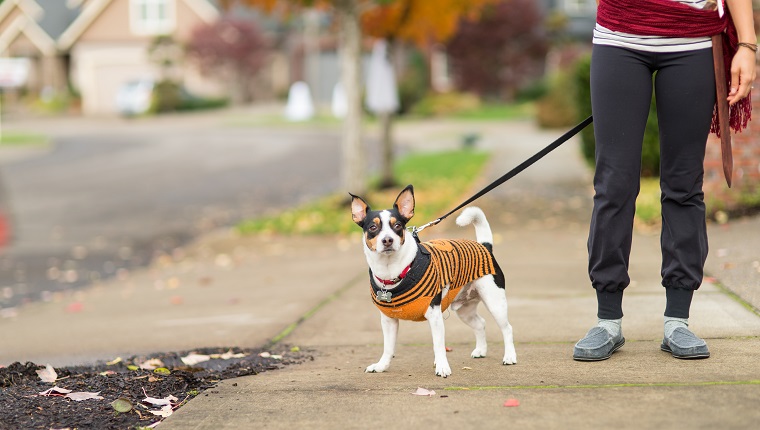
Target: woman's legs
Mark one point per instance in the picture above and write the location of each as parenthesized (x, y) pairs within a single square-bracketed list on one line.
[(686, 83), (621, 87), (621, 93)]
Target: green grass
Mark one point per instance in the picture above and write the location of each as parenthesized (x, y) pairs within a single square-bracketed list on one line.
[(277, 119), (489, 112), (15, 138), (440, 179), (648, 207), (596, 386), (648, 203)]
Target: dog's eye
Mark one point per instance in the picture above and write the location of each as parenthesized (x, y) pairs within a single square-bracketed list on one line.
[(372, 227), (398, 226)]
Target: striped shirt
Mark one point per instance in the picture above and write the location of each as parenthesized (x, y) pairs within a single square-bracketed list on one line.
[(605, 36)]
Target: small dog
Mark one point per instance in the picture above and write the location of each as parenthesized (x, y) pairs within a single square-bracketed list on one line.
[(418, 282)]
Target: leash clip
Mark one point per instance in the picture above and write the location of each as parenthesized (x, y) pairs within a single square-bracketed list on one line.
[(415, 229)]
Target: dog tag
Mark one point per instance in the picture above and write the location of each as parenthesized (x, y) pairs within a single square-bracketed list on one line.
[(384, 296)]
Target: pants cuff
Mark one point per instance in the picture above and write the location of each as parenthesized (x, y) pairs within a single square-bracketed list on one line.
[(610, 304), (679, 302)]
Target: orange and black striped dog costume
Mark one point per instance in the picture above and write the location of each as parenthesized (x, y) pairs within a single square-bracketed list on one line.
[(439, 264)]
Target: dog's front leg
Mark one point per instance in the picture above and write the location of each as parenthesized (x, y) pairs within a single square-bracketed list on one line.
[(435, 318), (390, 332)]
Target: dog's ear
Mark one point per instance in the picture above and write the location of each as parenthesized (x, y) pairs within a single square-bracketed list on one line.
[(405, 202), (359, 209)]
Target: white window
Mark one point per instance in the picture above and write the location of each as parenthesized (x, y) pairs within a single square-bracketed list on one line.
[(579, 7), (152, 17)]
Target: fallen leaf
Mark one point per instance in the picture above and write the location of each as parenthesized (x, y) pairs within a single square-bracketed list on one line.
[(83, 395), (122, 405), (164, 412), (55, 391), (265, 354), (162, 371), (510, 403), (151, 364), (449, 349), (467, 368), (116, 360), (107, 372), (424, 392), (160, 402), (295, 349), (75, 307), (229, 354), (47, 374), (133, 367), (193, 359), (153, 378)]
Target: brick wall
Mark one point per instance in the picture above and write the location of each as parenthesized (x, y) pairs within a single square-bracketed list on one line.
[(746, 152)]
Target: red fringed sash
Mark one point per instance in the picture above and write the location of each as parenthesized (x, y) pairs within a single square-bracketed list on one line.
[(669, 18)]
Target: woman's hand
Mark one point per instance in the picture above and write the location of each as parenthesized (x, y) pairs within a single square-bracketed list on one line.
[(742, 74)]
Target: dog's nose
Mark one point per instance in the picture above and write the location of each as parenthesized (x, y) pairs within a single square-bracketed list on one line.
[(387, 241)]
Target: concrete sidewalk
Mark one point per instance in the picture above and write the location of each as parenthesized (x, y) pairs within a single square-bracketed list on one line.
[(551, 307), (227, 290)]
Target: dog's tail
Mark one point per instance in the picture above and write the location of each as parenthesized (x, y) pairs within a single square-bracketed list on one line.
[(475, 216)]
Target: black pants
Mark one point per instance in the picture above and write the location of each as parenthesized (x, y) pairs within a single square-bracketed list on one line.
[(621, 92)]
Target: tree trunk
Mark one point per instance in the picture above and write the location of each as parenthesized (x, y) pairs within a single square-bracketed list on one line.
[(386, 140), (353, 163), (387, 179)]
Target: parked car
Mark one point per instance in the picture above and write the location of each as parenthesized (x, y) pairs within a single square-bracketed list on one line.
[(135, 97)]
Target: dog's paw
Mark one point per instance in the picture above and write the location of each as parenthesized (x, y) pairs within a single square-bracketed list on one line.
[(443, 370), (478, 353), (376, 368), (510, 357)]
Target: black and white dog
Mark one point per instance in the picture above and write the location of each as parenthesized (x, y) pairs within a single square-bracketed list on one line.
[(418, 281)]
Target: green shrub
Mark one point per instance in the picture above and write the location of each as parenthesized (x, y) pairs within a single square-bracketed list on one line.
[(413, 83), (533, 91), (650, 154), (558, 107), (167, 97), (583, 99)]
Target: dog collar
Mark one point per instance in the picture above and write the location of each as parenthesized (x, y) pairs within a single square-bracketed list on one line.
[(395, 280)]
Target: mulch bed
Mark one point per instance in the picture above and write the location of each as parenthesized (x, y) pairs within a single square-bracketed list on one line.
[(22, 406)]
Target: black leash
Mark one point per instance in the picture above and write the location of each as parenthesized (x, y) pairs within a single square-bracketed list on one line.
[(509, 175)]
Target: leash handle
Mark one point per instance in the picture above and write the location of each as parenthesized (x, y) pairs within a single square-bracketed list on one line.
[(507, 176)]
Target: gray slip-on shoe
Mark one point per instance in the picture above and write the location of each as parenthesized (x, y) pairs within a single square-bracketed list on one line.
[(682, 343), (597, 345)]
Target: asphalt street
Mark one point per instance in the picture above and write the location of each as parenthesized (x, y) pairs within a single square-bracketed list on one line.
[(107, 195)]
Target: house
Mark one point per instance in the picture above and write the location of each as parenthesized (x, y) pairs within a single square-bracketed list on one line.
[(579, 16), (96, 46), (27, 30)]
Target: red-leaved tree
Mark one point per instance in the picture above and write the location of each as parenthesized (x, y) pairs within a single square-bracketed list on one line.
[(232, 49), (502, 51)]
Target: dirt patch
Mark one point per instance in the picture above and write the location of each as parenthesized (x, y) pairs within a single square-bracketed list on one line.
[(22, 406)]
